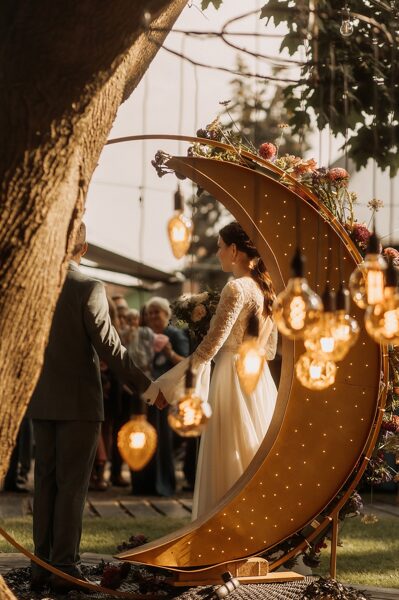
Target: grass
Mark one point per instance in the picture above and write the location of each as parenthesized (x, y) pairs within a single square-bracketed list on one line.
[(368, 556), (101, 536)]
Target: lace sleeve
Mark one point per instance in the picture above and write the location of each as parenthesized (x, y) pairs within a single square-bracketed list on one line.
[(271, 344), (229, 307)]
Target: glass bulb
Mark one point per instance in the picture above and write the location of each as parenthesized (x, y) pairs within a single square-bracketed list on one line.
[(137, 441), (190, 415), (315, 372), (296, 308), (346, 28), (179, 232), (382, 320), (366, 284), (249, 364), (333, 335)]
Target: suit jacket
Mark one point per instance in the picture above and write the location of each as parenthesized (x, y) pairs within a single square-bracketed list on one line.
[(69, 387)]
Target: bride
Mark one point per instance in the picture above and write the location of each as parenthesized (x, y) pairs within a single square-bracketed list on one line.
[(239, 421)]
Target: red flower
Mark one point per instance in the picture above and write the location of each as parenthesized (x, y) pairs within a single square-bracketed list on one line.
[(360, 235), (267, 150), (392, 253), (337, 174)]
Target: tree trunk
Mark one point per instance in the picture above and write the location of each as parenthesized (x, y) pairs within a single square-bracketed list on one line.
[(66, 67)]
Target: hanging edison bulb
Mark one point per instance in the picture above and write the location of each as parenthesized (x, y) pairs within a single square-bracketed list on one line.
[(336, 332), (382, 320), (190, 415), (137, 441), (251, 357), (367, 281), (297, 307), (315, 372), (346, 28), (179, 228), (346, 331)]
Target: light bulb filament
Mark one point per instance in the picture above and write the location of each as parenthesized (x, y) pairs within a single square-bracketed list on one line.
[(137, 440), (391, 323), (297, 313), (315, 371), (375, 286)]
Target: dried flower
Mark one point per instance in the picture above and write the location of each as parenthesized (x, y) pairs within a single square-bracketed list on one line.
[(267, 151), (375, 204), (305, 166), (198, 313), (360, 234), (369, 519), (337, 174), (391, 424), (282, 125)]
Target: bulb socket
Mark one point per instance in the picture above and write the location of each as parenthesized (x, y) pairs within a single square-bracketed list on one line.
[(373, 247), (253, 325), (298, 264), (343, 299), (178, 199), (328, 299)]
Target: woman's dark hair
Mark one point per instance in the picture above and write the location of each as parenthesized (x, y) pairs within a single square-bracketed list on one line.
[(233, 233)]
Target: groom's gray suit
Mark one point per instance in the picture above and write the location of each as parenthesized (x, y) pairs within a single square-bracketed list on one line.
[(67, 408)]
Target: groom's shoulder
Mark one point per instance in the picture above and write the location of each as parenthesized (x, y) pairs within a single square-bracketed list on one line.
[(81, 283)]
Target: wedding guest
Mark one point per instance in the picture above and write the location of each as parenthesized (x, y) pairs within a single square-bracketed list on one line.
[(158, 477), (67, 410)]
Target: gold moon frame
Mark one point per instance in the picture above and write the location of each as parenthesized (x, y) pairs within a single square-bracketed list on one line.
[(317, 441)]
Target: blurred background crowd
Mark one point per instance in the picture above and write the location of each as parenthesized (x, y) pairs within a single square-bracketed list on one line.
[(155, 346)]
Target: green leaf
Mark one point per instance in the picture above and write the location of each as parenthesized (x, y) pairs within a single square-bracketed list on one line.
[(206, 3)]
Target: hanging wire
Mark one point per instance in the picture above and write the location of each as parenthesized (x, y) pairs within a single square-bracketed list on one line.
[(181, 95), (333, 68)]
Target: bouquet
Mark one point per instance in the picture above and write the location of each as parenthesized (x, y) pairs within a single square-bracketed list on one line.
[(194, 312)]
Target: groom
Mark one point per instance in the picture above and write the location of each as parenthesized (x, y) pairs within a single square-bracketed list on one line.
[(67, 410)]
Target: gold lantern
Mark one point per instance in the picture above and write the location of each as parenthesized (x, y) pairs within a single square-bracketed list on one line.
[(367, 281), (179, 228), (250, 358), (137, 442), (382, 319), (315, 372), (190, 415), (297, 307)]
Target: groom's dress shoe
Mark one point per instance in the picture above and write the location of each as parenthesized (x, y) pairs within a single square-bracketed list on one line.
[(39, 581), (59, 585)]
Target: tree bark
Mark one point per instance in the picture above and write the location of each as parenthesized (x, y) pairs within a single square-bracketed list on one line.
[(66, 67)]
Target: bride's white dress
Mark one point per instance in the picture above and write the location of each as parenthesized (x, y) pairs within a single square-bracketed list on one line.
[(239, 421)]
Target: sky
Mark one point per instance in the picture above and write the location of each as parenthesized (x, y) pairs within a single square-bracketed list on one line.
[(175, 97)]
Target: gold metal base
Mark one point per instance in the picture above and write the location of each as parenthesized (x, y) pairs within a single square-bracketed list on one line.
[(251, 570)]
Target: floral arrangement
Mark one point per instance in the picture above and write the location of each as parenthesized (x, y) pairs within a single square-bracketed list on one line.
[(194, 312), (330, 589)]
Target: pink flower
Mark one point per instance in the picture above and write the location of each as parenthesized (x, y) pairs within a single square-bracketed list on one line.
[(392, 253), (267, 150), (337, 174)]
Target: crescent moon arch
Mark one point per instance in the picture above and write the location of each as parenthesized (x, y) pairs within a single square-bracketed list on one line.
[(317, 441)]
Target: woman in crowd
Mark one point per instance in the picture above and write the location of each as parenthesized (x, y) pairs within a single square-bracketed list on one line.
[(158, 477)]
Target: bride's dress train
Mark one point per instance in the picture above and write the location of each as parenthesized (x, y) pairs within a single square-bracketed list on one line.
[(239, 421)]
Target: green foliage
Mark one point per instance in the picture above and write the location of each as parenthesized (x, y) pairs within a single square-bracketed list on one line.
[(363, 64), (215, 3)]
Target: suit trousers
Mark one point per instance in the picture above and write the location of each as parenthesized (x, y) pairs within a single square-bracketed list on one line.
[(65, 452)]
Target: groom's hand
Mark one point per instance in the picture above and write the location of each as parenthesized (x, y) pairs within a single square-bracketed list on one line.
[(160, 402)]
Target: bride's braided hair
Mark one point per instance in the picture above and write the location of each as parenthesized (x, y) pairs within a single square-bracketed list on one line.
[(233, 233)]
